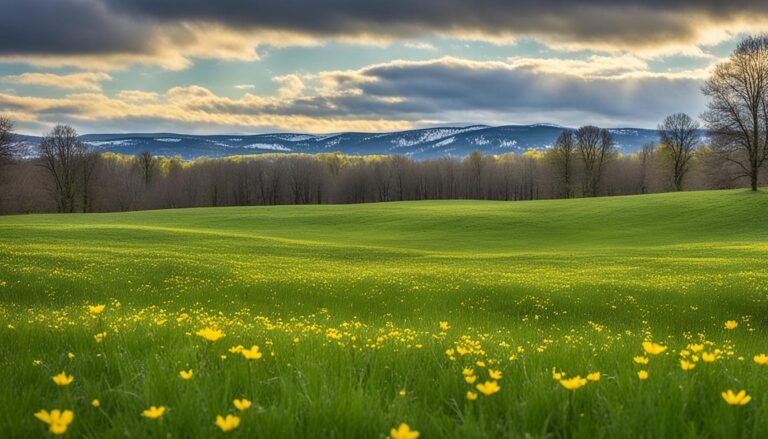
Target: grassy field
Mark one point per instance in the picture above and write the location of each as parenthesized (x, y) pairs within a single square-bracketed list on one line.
[(369, 316)]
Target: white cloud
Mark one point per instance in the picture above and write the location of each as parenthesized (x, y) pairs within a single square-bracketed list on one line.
[(398, 95), (419, 45), (82, 81), (137, 96)]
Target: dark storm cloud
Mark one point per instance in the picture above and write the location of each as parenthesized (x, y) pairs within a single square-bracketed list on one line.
[(631, 19), (62, 27), (132, 26), (434, 89)]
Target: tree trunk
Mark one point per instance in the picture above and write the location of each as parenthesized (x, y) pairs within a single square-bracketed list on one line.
[(753, 179)]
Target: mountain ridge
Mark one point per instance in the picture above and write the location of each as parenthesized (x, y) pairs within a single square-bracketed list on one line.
[(424, 143)]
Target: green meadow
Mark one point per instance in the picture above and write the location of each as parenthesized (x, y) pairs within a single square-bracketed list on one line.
[(370, 316)]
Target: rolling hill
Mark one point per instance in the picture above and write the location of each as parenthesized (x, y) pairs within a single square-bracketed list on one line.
[(460, 318)]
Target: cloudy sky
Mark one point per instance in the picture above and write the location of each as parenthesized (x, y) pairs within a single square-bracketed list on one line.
[(251, 66)]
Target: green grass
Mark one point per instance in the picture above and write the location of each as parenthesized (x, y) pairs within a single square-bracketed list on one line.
[(345, 302)]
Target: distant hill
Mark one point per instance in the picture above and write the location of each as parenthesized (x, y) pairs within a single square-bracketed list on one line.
[(418, 144)]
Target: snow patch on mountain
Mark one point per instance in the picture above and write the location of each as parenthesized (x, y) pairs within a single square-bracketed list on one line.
[(267, 147), (624, 132), (295, 137), (431, 135), (479, 141), (107, 143)]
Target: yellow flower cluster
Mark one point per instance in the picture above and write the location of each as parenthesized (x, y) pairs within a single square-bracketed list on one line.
[(57, 420)]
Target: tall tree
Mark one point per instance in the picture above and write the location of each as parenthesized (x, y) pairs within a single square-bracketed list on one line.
[(646, 155), (62, 154), (147, 164), (87, 166), (562, 154), (737, 115), (595, 147), (7, 144), (474, 164), (679, 138)]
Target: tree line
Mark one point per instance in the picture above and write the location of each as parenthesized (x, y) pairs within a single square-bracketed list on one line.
[(68, 175)]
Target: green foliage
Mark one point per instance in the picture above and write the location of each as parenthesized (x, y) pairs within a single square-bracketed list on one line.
[(346, 304)]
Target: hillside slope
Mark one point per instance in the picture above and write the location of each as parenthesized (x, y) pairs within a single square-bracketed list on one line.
[(458, 226), (370, 315)]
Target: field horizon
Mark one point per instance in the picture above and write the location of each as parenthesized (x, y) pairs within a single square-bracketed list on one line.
[(372, 315)]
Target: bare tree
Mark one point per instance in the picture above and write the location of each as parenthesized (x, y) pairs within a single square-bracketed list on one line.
[(87, 166), (474, 164), (646, 155), (595, 147), (737, 115), (562, 154), (7, 146), (62, 153), (117, 183), (7, 140), (147, 165), (679, 137)]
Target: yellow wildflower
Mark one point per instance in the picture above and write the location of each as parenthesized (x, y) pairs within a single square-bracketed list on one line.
[(573, 383), (57, 420), (470, 379), (761, 359), (640, 360), (96, 309), (731, 324), (403, 432), (494, 374), (471, 395), (708, 357), (642, 375), (594, 376), (687, 365), (227, 424), (242, 404), (252, 353), (63, 379), (210, 334), (467, 372), (95, 403), (153, 412), (653, 348), (740, 398), (186, 374), (444, 326), (488, 388), (403, 392), (99, 337)]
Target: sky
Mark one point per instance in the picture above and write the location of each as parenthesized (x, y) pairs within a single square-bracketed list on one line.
[(323, 66)]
